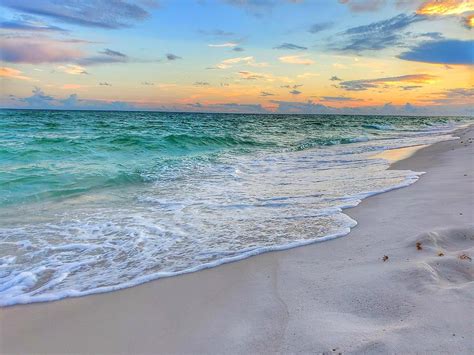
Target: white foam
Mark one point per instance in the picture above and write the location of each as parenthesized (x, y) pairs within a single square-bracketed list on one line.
[(280, 202), (15, 287)]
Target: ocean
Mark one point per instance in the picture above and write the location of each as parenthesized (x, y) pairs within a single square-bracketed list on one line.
[(95, 201)]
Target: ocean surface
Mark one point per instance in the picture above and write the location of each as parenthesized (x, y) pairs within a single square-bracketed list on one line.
[(97, 201)]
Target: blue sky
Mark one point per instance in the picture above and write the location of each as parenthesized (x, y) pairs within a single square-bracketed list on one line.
[(300, 56)]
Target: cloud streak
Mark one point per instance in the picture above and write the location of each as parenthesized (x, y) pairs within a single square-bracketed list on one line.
[(366, 84), (339, 99), (229, 63), (377, 35), (201, 83), (101, 59), (291, 46), (37, 51), (30, 24), (113, 53), (445, 7), (223, 45), (248, 75), (72, 69), (172, 57), (94, 13), (11, 73), (296, 59)]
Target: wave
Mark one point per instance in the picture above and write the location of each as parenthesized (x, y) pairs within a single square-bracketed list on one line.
[(189, 141), (324, 142), (53, 187), (379, 127), (127, 140)]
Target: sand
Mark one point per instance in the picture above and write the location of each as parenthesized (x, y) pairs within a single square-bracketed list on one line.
[(335, 297)]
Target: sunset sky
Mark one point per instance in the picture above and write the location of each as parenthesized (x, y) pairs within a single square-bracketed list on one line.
[(282, 56)]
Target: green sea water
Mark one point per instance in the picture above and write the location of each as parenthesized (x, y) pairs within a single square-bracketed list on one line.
[(94, 201)]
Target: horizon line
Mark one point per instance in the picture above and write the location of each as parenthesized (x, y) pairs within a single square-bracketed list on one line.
[(234, 113)]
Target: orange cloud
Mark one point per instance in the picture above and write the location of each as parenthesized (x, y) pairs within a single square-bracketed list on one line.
[(6, 72), (71, 86), (445, 7), (470, 21)]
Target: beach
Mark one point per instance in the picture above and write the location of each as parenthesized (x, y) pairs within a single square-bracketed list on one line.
[(400, 282)]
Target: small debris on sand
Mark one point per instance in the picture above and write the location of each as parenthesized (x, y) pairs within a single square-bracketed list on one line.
[(465, 257), (440, 253), (385, 258), (418, 246)]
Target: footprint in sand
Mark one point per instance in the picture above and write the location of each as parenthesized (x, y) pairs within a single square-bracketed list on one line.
[(443, 259)]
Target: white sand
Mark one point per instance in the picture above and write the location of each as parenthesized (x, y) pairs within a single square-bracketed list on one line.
[(336, 296)]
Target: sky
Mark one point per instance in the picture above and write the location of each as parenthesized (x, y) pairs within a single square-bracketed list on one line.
[(253, 56)]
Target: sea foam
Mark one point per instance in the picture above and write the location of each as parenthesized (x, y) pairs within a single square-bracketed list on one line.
[(206, 190)]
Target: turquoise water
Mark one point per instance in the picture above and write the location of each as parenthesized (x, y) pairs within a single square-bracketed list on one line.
[(97, 201)]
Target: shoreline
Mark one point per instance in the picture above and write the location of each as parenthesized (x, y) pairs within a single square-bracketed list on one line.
[(389, 155), (258, 305)]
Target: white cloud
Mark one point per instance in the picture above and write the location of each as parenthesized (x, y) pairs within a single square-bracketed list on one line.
[(296, 59), (72, 69), (223, 45), (228, 63)]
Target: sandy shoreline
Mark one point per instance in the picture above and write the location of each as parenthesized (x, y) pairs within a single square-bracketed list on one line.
[(336, 296)]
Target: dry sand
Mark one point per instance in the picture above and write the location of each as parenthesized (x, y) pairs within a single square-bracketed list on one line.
[(335, 297)]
